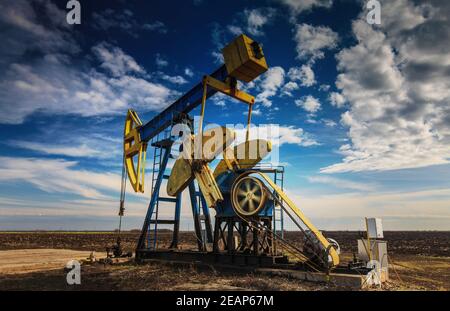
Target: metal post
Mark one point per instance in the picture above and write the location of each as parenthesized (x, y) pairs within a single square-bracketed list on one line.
[(217, 235), (255, 241), (176, 227), (208, 226), (249, 120), (153, 200), (230, 240), (196, 216), (369, 252)]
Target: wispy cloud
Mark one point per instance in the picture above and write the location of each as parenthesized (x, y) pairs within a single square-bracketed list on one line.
[(81, 150), (341, 183), (297, 7), (56, 175), (278, 135), (54, 80), (410, 210), (125, 21)]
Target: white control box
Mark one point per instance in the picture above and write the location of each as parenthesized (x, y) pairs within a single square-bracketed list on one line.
[(378, 253), (375, 228)]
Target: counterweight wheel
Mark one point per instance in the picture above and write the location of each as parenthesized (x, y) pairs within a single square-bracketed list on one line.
[(248, 196)]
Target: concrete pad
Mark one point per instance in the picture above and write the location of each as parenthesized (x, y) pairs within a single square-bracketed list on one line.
[(346, 280)]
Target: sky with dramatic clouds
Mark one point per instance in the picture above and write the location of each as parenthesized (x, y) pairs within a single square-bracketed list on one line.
[(363, 110)]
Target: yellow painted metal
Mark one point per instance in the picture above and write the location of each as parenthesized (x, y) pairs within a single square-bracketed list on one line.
[(133, 146), (187, 168), (244, 59), (202, 114), (249, 120), (248, 196), (228, 89), (208, 185), (180, 177), (325, 244), (183, 173), (245, 155)]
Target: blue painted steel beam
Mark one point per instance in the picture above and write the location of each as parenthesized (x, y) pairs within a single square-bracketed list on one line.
[(184, 104), (152, 204), (196, 214), (205, 208)]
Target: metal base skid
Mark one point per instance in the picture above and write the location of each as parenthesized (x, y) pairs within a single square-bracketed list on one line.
[(356, 278), (211, 258)]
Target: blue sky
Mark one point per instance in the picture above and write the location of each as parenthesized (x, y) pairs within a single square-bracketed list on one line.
[(363, 110)]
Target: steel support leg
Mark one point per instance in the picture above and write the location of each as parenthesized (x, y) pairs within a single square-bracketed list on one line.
[(153, 200), (176, 227), (196, 216)]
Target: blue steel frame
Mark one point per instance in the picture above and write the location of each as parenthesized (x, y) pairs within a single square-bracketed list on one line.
[(152, 204), (196, 214), (184, 104), (159, 123)]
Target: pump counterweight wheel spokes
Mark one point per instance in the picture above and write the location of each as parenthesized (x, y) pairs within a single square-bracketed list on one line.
[(248, 196)]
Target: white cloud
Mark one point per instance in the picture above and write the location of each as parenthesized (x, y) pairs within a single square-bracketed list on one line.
[(115, 60), (23, 30), (294, 135), (255, 112), (277, 134), (304, 74), (412, 210), (235, 30), (161, 61), (309, 103), (252, 21), (324, 87), (329, 123), (220, 103), (341, 183), (219, 40), (58, 82), (174, 79), (188, 72), (257, 18), (289, 87), (59, 88), (93, 142), (336, 99), (298, 6), (311, 41), (60, 176), (155, 26), (270, 83), (67, 150), (218, 57), (398, 101)]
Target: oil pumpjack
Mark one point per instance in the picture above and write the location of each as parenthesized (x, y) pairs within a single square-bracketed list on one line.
[(248, 202)]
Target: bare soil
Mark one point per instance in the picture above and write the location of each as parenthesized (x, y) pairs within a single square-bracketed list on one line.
[(35, 261)]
